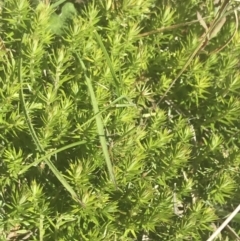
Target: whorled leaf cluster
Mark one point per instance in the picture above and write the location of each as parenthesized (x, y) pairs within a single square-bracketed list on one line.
[(176, 163)]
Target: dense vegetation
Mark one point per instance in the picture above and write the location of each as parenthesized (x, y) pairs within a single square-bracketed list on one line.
[(119, 119)]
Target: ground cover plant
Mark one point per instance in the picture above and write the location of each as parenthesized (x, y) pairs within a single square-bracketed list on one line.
[(119, 119)]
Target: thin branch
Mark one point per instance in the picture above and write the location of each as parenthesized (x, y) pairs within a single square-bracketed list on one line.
[(224, 224)]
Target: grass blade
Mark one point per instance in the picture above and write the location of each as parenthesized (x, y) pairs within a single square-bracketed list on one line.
[(37, 143), (100, 126), (217, 28), (116, 83), (48, 155)]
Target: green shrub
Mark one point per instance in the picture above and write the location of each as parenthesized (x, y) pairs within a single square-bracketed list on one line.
[(112, 125)]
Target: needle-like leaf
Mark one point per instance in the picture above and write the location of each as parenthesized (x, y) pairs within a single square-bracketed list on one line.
[(37, 142)]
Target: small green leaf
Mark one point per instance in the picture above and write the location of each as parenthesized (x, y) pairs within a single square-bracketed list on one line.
[(56, 24), (68, 11)]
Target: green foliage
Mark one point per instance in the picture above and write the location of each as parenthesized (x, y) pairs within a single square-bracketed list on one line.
[(59, 21), (88, 150)]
